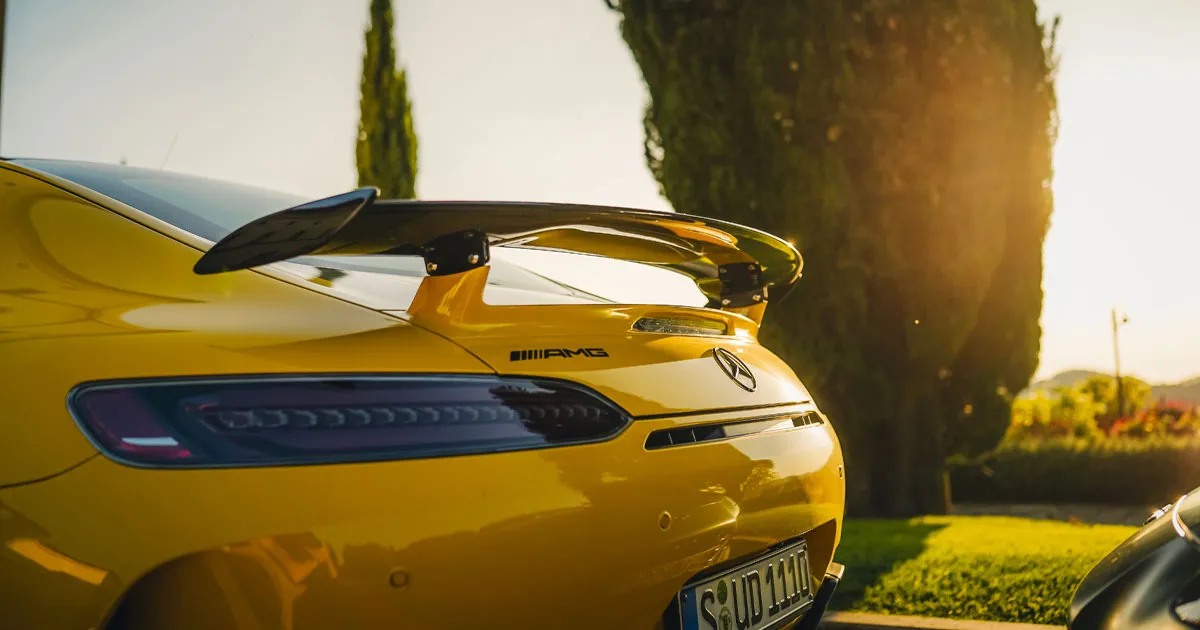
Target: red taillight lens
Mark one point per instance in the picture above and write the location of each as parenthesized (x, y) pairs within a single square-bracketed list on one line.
[(299, 420)]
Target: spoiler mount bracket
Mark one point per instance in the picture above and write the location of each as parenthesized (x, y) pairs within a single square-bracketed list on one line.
[(456, 252), (741, 285)]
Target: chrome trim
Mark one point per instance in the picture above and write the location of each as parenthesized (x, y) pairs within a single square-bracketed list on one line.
[(734, 367), (1181, 528), (790, 407), (1157, 514), (835, 570)]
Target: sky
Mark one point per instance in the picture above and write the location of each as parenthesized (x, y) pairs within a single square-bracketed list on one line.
[(540, 100)]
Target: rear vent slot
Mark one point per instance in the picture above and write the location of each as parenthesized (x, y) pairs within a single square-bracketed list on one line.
[(681, 326), (701, 433)]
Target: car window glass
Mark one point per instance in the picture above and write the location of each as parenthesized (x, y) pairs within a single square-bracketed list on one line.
[(211, 209)]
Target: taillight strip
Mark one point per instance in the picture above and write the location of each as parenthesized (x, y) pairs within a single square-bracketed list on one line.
[(248, 421)]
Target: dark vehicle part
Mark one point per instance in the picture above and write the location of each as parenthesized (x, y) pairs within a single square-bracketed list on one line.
[(1152, 580)]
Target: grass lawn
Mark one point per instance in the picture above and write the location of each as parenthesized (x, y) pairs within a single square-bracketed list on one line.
[(969, 567)]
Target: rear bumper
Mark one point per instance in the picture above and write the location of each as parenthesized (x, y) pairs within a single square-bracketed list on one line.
[(603, 535)]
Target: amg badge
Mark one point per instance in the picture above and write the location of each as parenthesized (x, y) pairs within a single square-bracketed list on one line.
[(550, 353)]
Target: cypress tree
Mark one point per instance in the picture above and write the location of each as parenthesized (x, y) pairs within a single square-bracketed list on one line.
[(904, 146), (386, 151), (1001, 355)]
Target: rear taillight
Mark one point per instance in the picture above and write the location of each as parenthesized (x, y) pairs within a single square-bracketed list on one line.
[(301, 420)]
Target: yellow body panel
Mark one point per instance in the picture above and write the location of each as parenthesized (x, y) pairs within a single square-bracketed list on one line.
[(594, 536), (86, 294), (647, 374)]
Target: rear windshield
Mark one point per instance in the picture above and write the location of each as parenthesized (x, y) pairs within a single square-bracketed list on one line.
[(205, 207), (211, 209)]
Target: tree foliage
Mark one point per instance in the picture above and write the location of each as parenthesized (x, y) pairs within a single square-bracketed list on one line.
[(1001, 355), (386, 150), (905, 147)]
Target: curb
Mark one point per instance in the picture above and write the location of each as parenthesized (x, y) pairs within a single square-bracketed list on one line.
[(867, 621)]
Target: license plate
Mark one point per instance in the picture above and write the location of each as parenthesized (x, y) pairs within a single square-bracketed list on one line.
[(765, 593)]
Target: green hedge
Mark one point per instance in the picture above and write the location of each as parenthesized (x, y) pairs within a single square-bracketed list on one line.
[(1114, 471)]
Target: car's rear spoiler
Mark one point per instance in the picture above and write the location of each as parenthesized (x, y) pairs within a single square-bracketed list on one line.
[(734, 266)]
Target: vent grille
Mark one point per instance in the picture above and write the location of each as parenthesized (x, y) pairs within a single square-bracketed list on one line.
[(698, 434)]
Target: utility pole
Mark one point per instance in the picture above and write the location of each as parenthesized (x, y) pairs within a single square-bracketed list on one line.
[(3, 12), (1117, 361)]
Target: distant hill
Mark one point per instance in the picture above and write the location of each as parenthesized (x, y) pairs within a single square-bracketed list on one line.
[(1187, 391), (1062, 379)]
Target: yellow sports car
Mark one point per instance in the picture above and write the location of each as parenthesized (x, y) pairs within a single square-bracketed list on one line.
[(225, 407)]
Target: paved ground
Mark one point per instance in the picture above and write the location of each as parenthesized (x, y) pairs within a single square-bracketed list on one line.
[(1098, 514), (866, 621)]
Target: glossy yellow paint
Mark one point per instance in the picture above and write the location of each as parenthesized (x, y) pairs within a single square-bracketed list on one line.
[(86, 294), (90, 290), (646, 373)]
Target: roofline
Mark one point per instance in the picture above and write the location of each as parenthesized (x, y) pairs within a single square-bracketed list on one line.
[(511, 203)]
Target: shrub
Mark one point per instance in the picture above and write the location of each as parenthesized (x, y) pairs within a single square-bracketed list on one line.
[(1086, 409), (1067, 413), (1165, 418), (1121, 471)]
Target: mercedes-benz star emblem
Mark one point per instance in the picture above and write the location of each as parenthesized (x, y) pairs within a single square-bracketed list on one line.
[(735, 368)]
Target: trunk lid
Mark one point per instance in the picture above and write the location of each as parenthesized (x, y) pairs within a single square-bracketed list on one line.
[(647, 370), (523, 323)]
